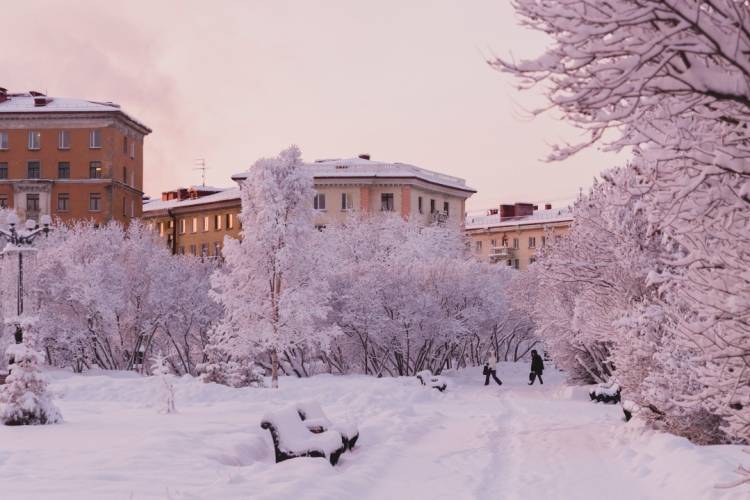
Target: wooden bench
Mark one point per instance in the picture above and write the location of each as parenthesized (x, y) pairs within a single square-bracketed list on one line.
[(316, 421), (426, 377), (604, 394), (291, 438)]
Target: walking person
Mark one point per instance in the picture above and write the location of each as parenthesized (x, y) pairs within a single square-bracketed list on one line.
[(537, 367), (490, 370)]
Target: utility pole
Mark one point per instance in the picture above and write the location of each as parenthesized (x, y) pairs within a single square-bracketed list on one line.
[(202, 168)]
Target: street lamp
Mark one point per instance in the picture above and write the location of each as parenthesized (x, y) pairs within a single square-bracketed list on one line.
[(19, 241)]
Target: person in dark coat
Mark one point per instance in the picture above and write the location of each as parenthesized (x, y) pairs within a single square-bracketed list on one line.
[(537, 367), (490, 370)]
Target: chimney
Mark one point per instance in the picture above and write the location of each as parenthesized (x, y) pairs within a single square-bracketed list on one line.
[(507, 211), (536, 207), (3, 94), (548, 206), (364, 156), (40, 100), (523, 209)]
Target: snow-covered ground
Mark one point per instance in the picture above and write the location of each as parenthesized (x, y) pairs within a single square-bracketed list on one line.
[(514, 441)]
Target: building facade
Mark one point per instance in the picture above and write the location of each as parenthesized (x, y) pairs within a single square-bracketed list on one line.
[(69, 158), (513, 234), (194, 221)]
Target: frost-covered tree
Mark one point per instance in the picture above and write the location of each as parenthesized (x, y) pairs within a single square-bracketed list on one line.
[(160, 369), (671, 79), (272, 298)]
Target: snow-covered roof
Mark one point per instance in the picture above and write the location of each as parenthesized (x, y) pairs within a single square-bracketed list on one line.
[(485, 221), (225, 194), (24, 103), (364, 168)]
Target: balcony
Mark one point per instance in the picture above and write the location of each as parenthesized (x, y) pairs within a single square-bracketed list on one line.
[(501, 253)]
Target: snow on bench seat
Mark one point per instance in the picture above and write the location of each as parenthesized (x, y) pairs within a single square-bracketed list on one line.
[(317, 421), (291, 438), (605, 394), (435, 381)]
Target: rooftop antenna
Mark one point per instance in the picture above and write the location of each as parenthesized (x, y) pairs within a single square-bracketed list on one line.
[(202, 168)]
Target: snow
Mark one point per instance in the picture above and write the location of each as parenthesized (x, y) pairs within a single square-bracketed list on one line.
[(360, 168), (224, 194), (482, 220), (475, 442), (295, 438)]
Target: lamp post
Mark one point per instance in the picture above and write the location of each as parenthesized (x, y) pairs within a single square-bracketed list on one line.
[(19, 241)]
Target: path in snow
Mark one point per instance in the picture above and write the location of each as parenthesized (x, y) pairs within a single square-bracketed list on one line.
[(472, 442)]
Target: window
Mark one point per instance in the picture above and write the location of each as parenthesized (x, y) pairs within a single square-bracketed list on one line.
[(183, 226), (419, 204), (132, 149), (63, 139), (544, 241), (3, 170), (32, 203), (386, 202), (204, 249), (35, 139), (478, 246), (532, 241), (532, 260), (124, 207), (192, 249), (432, 206), (132, 208), (181, 250), (161, 229), (446, 208), (217, 248), (95, 170), (195, 226), (347, 203), (493, 243), (515, 243), (63, 202), (95, 202), (125, 145), (217, 222), (319, 202), (63, 170), (3, 201), (124, 175), (515, 264), (95, 139), (34, 169), (206, 223), (510, 262), (3, 140), (230, 221)]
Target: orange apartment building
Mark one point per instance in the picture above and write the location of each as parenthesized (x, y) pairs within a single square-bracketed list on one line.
[(512, 234), (70, 158), (195, 220)]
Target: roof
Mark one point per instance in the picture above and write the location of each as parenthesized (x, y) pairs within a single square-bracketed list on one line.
[(484, 221), (226, 194), (349, 168), (24, 103)]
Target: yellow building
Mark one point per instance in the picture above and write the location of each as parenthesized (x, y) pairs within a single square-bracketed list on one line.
[(512, 234), (195, 220)]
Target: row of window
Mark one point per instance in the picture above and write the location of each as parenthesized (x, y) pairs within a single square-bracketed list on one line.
[(34, 171), (205, 250), (63, 202), (387, 203), (63, 141), (197, 224), (504, 243)]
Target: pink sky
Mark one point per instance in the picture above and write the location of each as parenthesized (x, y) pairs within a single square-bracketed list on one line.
[(231, 81)]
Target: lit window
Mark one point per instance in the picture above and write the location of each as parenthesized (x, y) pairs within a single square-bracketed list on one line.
[(206, 223), (161, 229), (195, 226), (217, 222), (95, 170), (230, 221), (183, 226)]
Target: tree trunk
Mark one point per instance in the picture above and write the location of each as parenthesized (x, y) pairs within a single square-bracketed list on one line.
[(274, 369)]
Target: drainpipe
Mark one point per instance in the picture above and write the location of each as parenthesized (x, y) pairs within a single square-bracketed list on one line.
[(173, 219)]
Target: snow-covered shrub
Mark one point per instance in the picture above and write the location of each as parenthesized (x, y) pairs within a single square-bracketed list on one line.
[(160, 370), (24, 399)]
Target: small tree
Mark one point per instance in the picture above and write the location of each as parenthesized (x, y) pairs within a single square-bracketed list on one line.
[(160, 369), (24, 399)]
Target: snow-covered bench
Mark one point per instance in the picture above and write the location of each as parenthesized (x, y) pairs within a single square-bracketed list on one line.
[(605, 394), (316, 421), (426, 377), (291, 438)]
